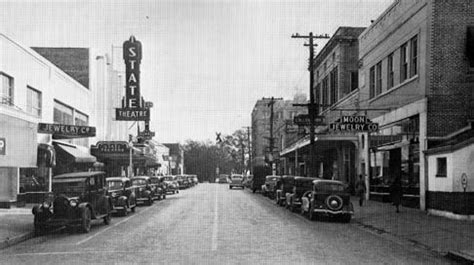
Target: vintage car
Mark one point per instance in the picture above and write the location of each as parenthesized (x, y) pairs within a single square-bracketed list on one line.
[(183, 182), (77, 199), (172, 185), (122, 194), (158, 187), (247, 180), (286, 186), (269, 188), (328, 198), (145, 192), (195, 179), (223, 179), (300, 186), (236, 180), (190, 180)]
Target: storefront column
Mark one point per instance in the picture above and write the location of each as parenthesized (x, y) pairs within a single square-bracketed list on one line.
[(366, 155), (423, 160)]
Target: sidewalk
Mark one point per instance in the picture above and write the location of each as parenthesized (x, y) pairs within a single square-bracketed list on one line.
[(445, 236), (16, 225)]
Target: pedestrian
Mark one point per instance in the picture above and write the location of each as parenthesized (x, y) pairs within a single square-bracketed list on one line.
[(360, 189), (396, 192)]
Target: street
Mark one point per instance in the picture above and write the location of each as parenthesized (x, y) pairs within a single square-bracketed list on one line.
[(210, 224)]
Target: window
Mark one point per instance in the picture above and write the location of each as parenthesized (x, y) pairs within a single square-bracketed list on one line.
[(378, 84), (33, 101), (63, 114), (403, 63), (390, 71), (441, 167), (372, 82), (317, 75), (354, 80), (325, 93), (334, 86), (470, 45), (81, 119), (6, 89), (325, 66), (333, 56), (317, 95), (413, 56)]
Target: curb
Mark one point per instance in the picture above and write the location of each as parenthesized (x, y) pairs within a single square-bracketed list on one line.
[(461, 257), (15, 240)]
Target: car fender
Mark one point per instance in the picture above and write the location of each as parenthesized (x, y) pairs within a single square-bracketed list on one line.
[(82, 206)]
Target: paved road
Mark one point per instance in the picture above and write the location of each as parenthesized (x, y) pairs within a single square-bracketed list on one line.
[(210, 224)]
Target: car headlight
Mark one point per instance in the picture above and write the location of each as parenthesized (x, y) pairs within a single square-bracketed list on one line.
[(46, 204), (73, 203)]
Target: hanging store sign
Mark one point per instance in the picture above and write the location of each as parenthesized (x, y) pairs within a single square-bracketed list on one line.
[(3, 146), (354, 124), (304, 120), (66, 131), (133, 108), (146, 134), (113, 147)]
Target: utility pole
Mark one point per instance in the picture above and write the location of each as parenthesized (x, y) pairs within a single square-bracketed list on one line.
[(272, 142), (249, 148), (312, 105)]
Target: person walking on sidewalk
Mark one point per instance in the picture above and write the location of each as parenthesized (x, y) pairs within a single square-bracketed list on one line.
[(360, 189), (396, 192)]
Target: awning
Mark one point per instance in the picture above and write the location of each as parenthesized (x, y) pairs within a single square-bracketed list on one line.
[(318, 138), (74, 154)]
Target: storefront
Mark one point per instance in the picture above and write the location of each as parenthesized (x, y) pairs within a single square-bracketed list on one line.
[(395, 151)]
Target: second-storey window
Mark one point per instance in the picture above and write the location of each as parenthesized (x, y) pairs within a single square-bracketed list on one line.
[(413, 56), (378, 81), (372, 82), (390, 71), (334, 86), (403, 62), (33, 101), (6, 89), (325, 92), (63, 114), (354, 80)]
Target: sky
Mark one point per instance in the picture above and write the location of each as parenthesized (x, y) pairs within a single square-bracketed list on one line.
[(205, 62)]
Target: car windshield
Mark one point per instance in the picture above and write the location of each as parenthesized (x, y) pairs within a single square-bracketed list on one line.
[(114, 184), (331, 187), (71, 187), (138, 182), (154, 180), (236, 177), (168, 178)]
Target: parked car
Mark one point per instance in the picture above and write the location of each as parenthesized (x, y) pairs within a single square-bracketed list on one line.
[(190, 181), (122, 194), (286, 186), (236, 180), (300, 186), (223, 178), (172, 184), (195, 179), (269, 187), (158, 188), (144, 189), (259, 174), (328, 198), (183, 182), (78, 199)]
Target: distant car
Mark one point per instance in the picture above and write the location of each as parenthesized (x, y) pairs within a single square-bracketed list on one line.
[(236, 181), (78, 198), (328, 198), (223, 179), (122, 194), (286, 186), (269, 188), (172, 184), (158, 188), (300, 186), (144, 189), (248, 180)]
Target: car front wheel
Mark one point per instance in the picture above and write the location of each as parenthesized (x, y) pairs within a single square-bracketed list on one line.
[(86, 220)]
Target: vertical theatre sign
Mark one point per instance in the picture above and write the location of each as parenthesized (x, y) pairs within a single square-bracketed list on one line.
[(133, 108)]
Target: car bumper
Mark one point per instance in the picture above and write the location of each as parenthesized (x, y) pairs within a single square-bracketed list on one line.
[(330, 212), (59, 222)]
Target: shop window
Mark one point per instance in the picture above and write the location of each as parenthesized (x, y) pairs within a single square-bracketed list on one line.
[(441, 165), (6, 89), (33, 101), (403, 62), (414, 56), (390, 82)]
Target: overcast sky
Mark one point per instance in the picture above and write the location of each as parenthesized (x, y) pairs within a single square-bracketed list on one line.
[(205, 62)]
